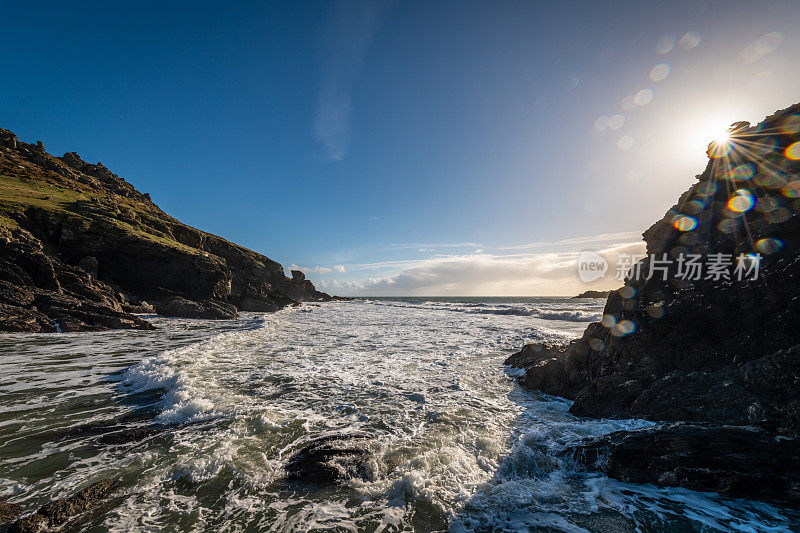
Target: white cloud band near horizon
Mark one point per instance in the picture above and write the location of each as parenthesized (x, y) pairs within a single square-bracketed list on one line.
[(481, 273)]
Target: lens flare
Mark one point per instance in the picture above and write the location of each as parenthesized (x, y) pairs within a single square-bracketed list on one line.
[(765, 146), (684, 223), (624, 327), (743, 172), (609, 321), (720, 147), (791, 125), (762, 46), (625, 142), (659, 72), (643, 97), (689, 40), (616, 122), (793, 151), (742, 201), (769, 245), (778, 215), (791, 189), (665, 44)]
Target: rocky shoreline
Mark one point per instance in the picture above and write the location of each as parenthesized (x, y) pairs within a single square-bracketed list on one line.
[(719, 354), (82, 250)]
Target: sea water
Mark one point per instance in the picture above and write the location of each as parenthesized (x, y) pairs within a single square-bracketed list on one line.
[(455, 443)]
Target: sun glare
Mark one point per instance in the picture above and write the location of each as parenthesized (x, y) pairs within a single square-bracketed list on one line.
[(722, 137), (710, 134)]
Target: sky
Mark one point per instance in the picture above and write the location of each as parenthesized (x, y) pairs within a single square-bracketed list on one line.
[(405, 148)]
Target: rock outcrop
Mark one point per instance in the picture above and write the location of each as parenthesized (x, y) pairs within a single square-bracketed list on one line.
[(593, 294), (736, 461), (9, 511), (82, 249), (331, 458), (58, 512), (718, 345)]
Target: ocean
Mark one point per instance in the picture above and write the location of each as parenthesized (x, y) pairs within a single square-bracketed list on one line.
[(199, 419)]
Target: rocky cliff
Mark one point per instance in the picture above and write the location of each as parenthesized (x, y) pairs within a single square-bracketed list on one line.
[(82, 249), (707, 326)]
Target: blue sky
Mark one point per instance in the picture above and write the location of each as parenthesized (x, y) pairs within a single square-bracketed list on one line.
[(408, 147)]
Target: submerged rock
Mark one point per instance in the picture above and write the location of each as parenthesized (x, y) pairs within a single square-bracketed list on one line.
[(736, 461), (58, 512), (331, 458)]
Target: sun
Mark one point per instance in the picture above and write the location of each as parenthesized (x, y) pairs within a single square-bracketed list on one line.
[(711, 135), (722, 137)]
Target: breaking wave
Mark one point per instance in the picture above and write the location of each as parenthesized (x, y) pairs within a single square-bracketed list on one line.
[(454, 442)]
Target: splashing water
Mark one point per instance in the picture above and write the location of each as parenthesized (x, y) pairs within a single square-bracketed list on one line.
[(217, 408)]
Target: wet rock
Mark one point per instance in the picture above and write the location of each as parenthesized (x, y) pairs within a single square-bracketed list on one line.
[(331, 458), (736, 461), (548, 370), (9, 511), (183, 308), (417, 397), (58, 512), (127, 436)]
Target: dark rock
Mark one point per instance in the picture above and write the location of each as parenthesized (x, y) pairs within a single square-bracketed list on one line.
[(73, 160), (9, 511), (126, 436), (89, 264), (736, 461), (723, 351), (183, 308), (701, 350), (37, 290), (8, 139), (143, 308), (18, 319), (17, 295), (331, 458), (298, 275), (75, 250), (58, 512), (593, 294)]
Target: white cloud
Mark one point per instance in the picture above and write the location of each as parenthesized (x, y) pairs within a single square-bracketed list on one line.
[(553, 273), (319, 269), (345, 45), (603, 237)]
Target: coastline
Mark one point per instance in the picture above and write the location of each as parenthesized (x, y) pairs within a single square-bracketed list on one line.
[(715, 356)]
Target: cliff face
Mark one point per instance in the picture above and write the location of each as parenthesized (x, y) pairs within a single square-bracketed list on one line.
[(74, 229), (718, 348)]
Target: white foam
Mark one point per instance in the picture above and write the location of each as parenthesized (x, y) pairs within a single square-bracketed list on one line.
[(453, 436)]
